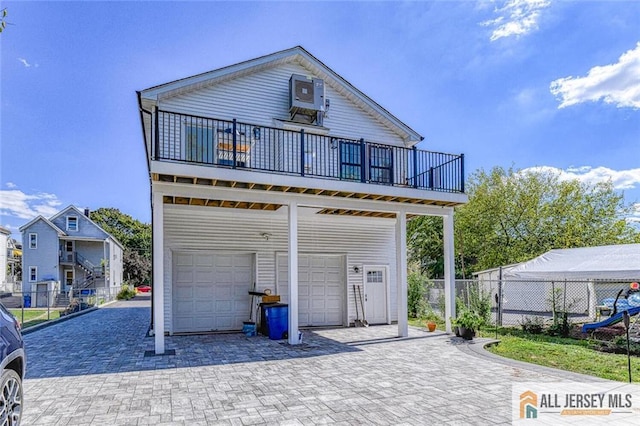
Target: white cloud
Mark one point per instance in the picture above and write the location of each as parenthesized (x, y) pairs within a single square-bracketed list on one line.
[(27, 64), (15, 203), (516, 18), (617, 84), (10, 185), (621, 179)]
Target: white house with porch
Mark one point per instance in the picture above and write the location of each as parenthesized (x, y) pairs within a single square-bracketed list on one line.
[(276, 173)]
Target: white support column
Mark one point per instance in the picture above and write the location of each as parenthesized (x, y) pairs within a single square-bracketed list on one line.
[(449, 271), (158, 272), (293, 274), (401, 273)]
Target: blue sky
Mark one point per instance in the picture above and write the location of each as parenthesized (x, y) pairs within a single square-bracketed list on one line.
[(523, 83)]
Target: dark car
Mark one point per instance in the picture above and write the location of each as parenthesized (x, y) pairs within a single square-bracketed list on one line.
[(13, 363)]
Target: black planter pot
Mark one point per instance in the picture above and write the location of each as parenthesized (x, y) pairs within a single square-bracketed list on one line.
[(466, 333)]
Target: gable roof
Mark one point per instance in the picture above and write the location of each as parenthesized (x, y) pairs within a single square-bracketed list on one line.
[(45, 220), (60, 231), (602, 262), (80, 213), (295, 54)]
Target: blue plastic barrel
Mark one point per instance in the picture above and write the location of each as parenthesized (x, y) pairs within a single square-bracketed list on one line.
[(277, 317)]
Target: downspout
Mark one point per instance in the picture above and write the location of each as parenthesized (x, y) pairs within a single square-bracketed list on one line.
[(144, 139)]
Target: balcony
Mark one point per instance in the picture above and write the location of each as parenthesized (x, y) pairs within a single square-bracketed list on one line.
[(232, 144)]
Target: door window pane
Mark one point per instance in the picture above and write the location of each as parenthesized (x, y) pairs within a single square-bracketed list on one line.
[(199, 144), (350, 160), (380, 164)]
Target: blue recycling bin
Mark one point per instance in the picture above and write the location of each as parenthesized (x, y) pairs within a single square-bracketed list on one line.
[(277, 317), (27, 301)]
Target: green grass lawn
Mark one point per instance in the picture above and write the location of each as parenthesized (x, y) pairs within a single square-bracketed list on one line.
[(563, 353), (34, 316), (557, 352)]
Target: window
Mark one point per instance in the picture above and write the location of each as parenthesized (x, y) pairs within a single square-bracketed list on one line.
[(374, 276), (68, 246), (350, 160), (380, 164), (199, 144), (33, 241), (72, 223), (33, 273), (68, 276)]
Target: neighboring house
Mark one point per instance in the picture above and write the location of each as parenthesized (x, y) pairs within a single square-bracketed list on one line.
[(68, 252), (14, 265), (587, 275), (5, 237), (277, 173)]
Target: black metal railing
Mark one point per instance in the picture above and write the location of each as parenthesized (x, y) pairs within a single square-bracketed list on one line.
[(209, 141)]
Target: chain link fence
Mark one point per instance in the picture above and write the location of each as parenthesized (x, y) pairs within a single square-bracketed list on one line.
[(560, 306), (35, 307)]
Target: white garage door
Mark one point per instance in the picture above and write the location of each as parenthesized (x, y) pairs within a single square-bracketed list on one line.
[(320, 288), (210, 291)]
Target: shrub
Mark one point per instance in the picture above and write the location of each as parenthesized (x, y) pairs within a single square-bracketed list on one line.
[(532, 325), (417, 287), (126, 292), (480, 303), (561, 325), (468, 319)]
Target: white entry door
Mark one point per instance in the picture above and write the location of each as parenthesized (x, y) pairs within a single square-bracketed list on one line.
[(210, 291), (375, 294), (321, 288)]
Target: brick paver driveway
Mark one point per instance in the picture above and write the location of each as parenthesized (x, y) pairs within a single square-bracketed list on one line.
[(92, 370)]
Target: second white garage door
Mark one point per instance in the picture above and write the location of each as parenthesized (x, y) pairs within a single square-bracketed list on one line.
[(321, 288), (210, 291)]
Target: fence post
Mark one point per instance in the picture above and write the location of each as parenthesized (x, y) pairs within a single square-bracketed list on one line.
[(49, 304), (499, 307), (363, 161), (415, 166), (302, 152), (235, 143), (462, 173), (156, 153)]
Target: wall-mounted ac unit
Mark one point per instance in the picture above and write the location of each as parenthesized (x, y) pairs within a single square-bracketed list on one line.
[(306, 96)]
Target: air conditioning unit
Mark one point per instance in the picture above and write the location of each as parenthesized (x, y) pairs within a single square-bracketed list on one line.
[(306, 97)]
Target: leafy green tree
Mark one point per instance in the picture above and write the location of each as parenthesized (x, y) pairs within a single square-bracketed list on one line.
[(135, 236), (3, 17), (513, 216)]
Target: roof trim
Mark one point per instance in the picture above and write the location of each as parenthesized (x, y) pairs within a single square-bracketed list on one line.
[(61, 212), (47, 221), (306, 60)]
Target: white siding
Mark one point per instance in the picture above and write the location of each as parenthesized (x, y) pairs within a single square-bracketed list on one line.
[(3, 256), (261, 97), (364, 241)]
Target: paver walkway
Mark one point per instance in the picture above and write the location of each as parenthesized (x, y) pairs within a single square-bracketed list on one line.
[(91, 370)]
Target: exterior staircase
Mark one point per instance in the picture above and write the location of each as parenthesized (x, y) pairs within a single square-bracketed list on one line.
[(62, 300)]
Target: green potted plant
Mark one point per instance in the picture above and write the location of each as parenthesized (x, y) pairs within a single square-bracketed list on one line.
[(467, 322)]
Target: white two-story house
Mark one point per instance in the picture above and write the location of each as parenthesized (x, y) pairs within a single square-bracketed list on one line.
[(68, 252), (276, 173)]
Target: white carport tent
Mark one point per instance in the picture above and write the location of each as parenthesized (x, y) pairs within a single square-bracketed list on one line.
[(293, 201), (587, 274), (615, 262)]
